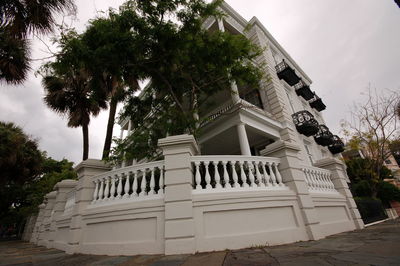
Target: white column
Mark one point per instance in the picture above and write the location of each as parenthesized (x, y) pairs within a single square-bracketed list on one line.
[(243, 141), (235, 92)]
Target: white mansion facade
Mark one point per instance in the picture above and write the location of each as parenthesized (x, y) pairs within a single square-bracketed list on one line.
[(265, 171)]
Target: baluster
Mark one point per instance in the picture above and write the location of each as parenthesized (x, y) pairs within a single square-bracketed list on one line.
[(323, 180), (96, 190), (243, 175), (127, 185), (101, 191), (251, 175), (152, 191), (306, 179), (226, 175), (207, 177), (143, 183), (258, 175), (217, 177), (119, 187), (161, 190), (278, 175), (266, 176), (319, 179), (197, 175), (112, 190), (331, 185), (234, 175), (315, 180), (272, 174), (107, 188), (135, 176)]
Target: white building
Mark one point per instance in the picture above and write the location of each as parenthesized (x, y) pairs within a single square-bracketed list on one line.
[(265, 174)]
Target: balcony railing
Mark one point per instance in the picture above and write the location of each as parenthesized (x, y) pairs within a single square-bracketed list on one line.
[(287, 73), (221, 172), (129, 183), (323, 136), (303, 90), (318, 180), (317, 103), (305, 123), (337, 145)]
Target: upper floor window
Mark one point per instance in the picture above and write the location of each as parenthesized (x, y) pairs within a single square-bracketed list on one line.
[(308, 151)]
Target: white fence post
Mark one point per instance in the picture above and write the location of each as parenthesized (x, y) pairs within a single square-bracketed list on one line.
[(179, 223)]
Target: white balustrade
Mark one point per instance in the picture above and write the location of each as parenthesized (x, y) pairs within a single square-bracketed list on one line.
[(318, 180), (220, 172), (133, 182)]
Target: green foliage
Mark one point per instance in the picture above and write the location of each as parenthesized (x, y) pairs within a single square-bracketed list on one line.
[(388, 192), (186, 65), (26, 175), (394, 147), (18, 19)]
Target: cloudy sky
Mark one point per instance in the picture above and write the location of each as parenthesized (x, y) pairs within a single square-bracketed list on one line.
[(344, 46)]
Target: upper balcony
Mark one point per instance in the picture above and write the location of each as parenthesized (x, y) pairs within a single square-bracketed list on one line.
[(323, 137), (303, 90), (337, 145), (317, 103), (287, 73), (305, 123)]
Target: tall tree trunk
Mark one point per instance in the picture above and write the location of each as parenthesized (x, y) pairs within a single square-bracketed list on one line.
[(85, 132), (110, 127)]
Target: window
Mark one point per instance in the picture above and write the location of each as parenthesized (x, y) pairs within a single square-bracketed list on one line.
[(253, 97), (290, 101)]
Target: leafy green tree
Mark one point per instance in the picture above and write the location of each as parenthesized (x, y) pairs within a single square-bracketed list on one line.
[(115, 51), (186, 65), (18, 19), (68, 87)]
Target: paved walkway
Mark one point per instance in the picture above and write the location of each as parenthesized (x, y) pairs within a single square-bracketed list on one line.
[(375, 245)]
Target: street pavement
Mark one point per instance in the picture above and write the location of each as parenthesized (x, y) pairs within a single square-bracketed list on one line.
[(375, 245)]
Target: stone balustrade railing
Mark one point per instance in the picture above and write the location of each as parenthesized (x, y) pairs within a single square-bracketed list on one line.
[(235, 172), (318, 180), (132, 182)]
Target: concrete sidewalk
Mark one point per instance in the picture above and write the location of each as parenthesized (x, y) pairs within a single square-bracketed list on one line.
[(376, 245)]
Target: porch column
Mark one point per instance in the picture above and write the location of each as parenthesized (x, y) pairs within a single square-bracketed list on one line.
[(243, 140), (235, 92)]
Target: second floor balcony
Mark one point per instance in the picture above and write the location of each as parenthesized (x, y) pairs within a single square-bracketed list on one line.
[(337, 145), (317, 103), (305, 123), (323, 136), (303, 90), (287, 73)]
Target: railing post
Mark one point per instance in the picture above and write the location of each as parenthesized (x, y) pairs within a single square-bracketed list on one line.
[(294, 178), (62, 188), (339, 176), (44, 233), (38, 224), (84, 196), (179, 222)]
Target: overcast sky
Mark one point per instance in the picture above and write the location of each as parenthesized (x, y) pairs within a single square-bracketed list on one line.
[(342, 45)]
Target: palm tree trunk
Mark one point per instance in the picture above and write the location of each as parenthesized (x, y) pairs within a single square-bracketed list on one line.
[(85, 132), (110, 127)]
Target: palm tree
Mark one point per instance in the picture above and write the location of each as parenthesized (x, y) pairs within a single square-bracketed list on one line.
[(69, 94), (18, 19)]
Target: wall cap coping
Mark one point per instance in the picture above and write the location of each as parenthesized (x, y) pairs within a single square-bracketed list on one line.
[(327, 162), (92, 163), (179, 140), (279, 145), (51, 195), (66, 183)]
